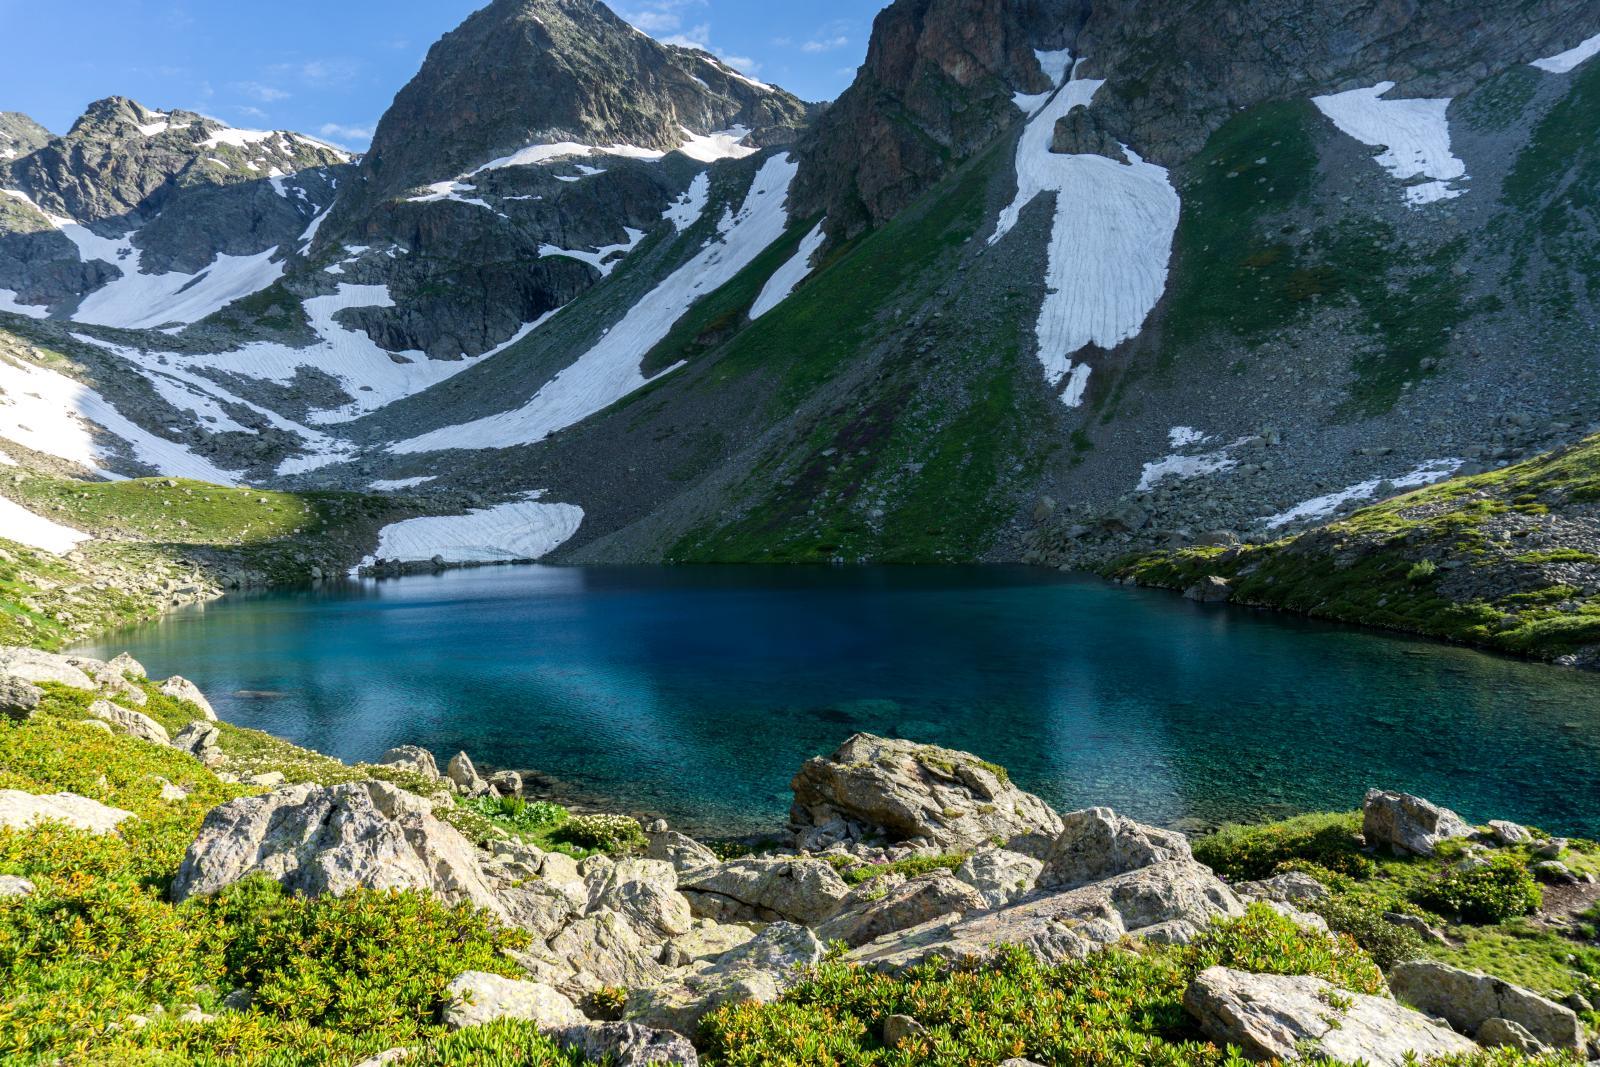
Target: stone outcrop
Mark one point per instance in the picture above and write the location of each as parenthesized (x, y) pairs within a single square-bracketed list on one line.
[(465, 776), (1408, 825), (906, 791), (1272, 1017), (18, 698), (760, 970), (180, 688), (901, 906), (133, 723), (411, 758), (1000, 876), (765, 889), (31, 665), (1469, 1000), (478, 997), (1097, 843), (19, 810), (332, 839), (627, 1045), (680, 850), (1166, 903)]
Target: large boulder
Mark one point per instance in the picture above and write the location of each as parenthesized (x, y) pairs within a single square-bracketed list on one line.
[(1097, 843), (180, 688), (680, 850), (900, 907), (603, 949), (1166, 903), (19, 811), (332, 839), (31, 665), (465, 775), (1469, 999), (644, 892), (201, 740), (904, 790), (18, 699), (1294, 1018), (1000, 876), (765, 889), (760, 970), (478, 997), (412, 758), (1408, 825), (133, 723), (627, 1045)]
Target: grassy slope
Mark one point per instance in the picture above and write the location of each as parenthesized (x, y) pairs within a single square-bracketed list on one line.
[(1476, 559)]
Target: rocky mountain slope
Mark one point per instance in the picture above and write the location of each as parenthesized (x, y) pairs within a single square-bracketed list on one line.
[(1144, 269)]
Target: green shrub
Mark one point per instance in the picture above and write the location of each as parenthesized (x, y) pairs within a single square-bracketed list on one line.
[(1422, 573), (1265, 942), (508, 1043), (1499, 890), (1249, 853), (606, 833), (856, 873), (515, 813), (1381, 939)]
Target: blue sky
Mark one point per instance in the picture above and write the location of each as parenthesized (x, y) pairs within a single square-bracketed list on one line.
[(331, 67)]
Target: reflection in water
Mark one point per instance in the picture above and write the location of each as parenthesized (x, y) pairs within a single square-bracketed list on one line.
[(697, 692)]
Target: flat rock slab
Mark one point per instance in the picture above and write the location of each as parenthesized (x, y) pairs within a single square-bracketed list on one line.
[(478, 997), (19, 810), (1469, 999)]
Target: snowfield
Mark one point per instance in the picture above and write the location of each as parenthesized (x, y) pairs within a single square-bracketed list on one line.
[(1184, 467), (791, 274), (8, 302), (1414, 136), (1111, 243), (522, 530), (1321, 507), (610, 370), (1568, 61), (605, 259), (394, 485), (687, 209), (19, 524)]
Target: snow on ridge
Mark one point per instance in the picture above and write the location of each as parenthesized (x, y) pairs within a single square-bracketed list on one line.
[(604, 259), (449, 191), (535, 154), (1414, 136), (138, 301), (1321, 507), (25, 527), (687, 209), (724, 144), (1568, 61), (611, 369), (1110, 244), (227, 135), (527, 529), (791, 274)]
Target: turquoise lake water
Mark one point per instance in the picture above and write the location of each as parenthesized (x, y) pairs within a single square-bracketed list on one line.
[(695, 693)]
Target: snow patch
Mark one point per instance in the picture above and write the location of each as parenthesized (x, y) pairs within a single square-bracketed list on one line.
[(19, 524), (791, 274), (8, 302), (543, 153), (610, 370), (1110, 245), (449, 191), (604, 259), (1568, 61), (393, 485), (138, 301), (522, 530), (1184, 467), (1414, 136), (1184, 436), (687, 209), (1321, 507), (724, 144), (237, 138)]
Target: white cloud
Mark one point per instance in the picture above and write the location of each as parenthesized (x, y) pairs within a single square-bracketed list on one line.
[(828, 45), (266, 94), (346, 136)]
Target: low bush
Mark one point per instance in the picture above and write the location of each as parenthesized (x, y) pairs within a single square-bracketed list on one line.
[(1381, 939), (604, 833), (856, 873), (515, 813), (1499, 889), (1249, 853)]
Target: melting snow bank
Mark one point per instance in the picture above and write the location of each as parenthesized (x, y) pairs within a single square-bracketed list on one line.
[(392, 485), (522, 530), (604, 259), (687, 209), (1185, 467), (50, 413), (1414, 136), (1111, 242), (1569, 60), (19, 524), (785, 278), (1323, 506), (8, 302), (610, 370)]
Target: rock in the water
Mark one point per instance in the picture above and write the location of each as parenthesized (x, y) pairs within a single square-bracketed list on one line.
[(765, 888), (1097, 843), (19, 810), (12, 886), (1468, 999), (31, 665), (1000, 876), (627, 1045), (910, 903), (18, 699), (133, 723), (332, 839), (1409, 825), (683, 852), (954, 800), (1292, 1018), (1168, 902), (760, 971), (411, 758), (465, 775), (180, 688), (1210, 590), (478, 997)]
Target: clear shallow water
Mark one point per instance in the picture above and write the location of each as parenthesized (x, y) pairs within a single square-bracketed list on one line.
[(696, 693)]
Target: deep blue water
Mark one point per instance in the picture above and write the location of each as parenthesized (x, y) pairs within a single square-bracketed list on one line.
[(696, 693)]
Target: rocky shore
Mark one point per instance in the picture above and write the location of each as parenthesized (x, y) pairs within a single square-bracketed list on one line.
[(899, 859)]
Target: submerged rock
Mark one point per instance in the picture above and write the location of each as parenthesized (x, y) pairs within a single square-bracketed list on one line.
[(1294, 1018), (906, 791)]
